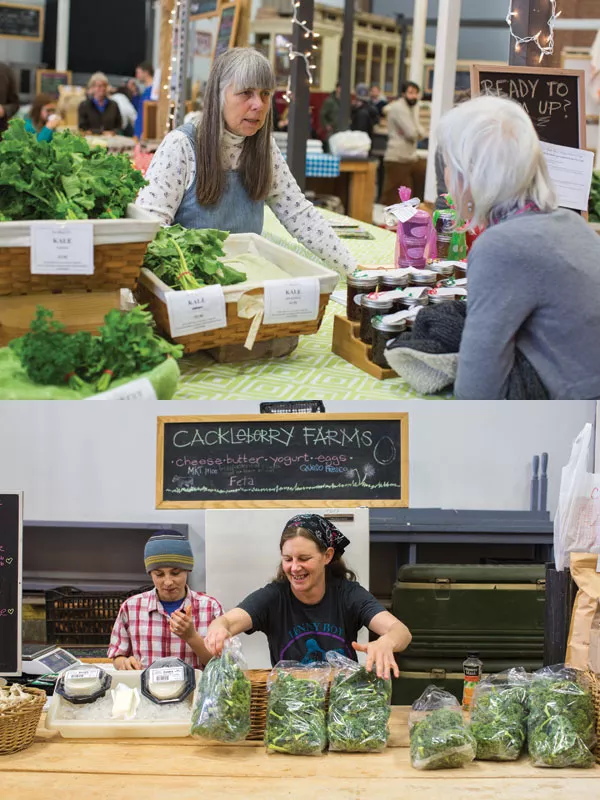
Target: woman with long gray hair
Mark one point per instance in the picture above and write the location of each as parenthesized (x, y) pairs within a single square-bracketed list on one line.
[(221, 173), (534, 272)]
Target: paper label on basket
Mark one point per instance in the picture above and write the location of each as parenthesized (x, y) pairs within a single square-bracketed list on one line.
[(167, 675), (62, 248), (83, 674), (295, 300), (140, 389), (196, 310)]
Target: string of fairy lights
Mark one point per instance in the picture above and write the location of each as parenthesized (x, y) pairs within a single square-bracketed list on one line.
[(304, 55), (175, 64), (546, 49)]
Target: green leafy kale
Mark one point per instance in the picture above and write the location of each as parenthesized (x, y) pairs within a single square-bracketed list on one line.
[(594, 204), (359, 710), (561, 724), (222, 710), (296, 721), (441, 741), (126, 345), (189, 258), (62, 179), (498, 722)]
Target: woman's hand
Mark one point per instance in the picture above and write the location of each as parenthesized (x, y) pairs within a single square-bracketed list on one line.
[(182, 624), (216, 637), (380, 654), (53, 122), (127, 662)]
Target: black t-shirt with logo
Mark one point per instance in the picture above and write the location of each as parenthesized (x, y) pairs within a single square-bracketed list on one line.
[(300, 632)]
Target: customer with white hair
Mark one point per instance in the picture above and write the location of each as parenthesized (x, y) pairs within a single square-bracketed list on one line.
[(221, 173), (534, 273), (98, 114)]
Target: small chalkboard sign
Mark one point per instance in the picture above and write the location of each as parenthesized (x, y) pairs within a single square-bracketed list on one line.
[(226, 34), (47, 81), (553, 98), (292, 460), (201, 8), (11, 526), (21, 22)]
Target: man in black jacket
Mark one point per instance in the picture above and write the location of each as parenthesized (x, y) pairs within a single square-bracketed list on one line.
[(9, 99), (364, 113), (98, 114)]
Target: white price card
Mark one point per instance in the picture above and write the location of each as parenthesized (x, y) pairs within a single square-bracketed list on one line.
[(62, 248), (196, 310), (571, 172), (83, 674), (140, 389), (166, 675), (291, 300)]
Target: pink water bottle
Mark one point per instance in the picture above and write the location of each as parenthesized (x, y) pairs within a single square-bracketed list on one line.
[(415, 237)]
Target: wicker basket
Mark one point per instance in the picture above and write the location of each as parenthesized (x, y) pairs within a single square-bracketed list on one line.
[(237, 327), (18, 725), (595, 689)]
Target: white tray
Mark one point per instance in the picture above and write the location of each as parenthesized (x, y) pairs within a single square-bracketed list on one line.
[(117, 729), (138, 226), (236, 244)]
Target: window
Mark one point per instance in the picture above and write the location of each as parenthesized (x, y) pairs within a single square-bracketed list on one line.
[(262, 42), (376, 55), (360, 65), (390, 69), (282, 59)]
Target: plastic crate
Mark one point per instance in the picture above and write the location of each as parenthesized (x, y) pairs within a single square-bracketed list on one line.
[(76, 617)]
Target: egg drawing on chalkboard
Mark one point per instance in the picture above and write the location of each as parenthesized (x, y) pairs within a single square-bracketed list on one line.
[(385, 451)]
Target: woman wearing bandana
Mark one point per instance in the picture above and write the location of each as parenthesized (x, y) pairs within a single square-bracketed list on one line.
[(314, 604)]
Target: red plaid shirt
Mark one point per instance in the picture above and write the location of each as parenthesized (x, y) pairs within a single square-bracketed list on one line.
[(142, 628)]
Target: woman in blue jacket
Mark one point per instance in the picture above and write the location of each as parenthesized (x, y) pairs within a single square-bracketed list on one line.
[(43, 118)]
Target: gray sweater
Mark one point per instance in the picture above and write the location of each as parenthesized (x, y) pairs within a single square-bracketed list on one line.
[(534, 283)]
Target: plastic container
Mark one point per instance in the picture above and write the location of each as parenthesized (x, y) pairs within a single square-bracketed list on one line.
[(382, 333), (372, 307), (168, 680), (113, 729), (358, 285), (82, 685)]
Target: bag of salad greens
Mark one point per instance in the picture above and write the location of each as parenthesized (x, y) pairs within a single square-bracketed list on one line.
[(439, 738), (296, 719), (499, 715), (359, 707)]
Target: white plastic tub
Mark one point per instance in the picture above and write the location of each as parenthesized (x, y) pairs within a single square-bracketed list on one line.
[(117, 729)]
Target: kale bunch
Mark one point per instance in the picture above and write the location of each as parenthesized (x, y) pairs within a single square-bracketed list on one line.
[(222, 710), (62, 179), (359, 710), (296, 721), (188, 258), (499, 721), (441, 741), (561, 724)]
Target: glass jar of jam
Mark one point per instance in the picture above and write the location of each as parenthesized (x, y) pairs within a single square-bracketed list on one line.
[(438, 299), (460, 271), (425, 277), (443, 271), (383, 332), (372, 307), (393, 280), (358, 285), (411, 302)]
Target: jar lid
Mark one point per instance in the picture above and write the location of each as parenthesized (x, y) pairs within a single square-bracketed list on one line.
[(436, 299), (398, 279), (425, 278), (389, 327), (381, 303), (443, 269), (410, 302), (362, 281)]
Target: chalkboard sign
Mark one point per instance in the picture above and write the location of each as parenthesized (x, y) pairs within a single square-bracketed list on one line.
[(199, 8), (288, 461), (553, 98), (227, 29), (10, 582), (21, 22), (47, 81)]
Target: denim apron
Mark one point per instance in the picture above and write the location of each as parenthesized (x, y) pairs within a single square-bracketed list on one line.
[(235, 212)]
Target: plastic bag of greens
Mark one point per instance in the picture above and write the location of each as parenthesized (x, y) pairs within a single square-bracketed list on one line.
[(499, 715), (561, 723), (439, 738), (296, 720), (359, 707), (222, 710)]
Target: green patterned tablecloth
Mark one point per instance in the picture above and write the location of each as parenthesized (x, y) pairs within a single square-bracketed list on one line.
[(312, 370)]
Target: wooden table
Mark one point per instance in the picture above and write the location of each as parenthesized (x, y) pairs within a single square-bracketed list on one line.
[(186, 769), (356, 187)]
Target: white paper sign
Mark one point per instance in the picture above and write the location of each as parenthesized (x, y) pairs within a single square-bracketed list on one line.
[(62, 248), (167, 675), (140, 389), (196, 310), (571, 172), (295, 300), (82, 674)]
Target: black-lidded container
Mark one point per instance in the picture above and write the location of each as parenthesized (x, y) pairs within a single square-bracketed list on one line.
[(372, 307), (383, 332), (168, 680), (358, 284)]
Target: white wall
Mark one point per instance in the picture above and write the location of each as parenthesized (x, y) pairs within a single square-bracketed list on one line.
[(96, 461)]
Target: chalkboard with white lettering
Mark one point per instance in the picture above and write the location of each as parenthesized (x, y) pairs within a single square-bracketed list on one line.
[(554, 99), (289, 460), (21, 22), (10, 582)]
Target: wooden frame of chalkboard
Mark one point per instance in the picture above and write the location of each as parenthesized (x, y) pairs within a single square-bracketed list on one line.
[(61, 79), (520, 81), (290, 461), (229, 11), (40, 12), (11, 581), (203, 9)]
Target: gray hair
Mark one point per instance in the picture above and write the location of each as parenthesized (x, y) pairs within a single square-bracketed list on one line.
[(240, 68), (495, 160)]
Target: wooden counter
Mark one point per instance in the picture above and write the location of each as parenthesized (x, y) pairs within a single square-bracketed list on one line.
[(187, 769)]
